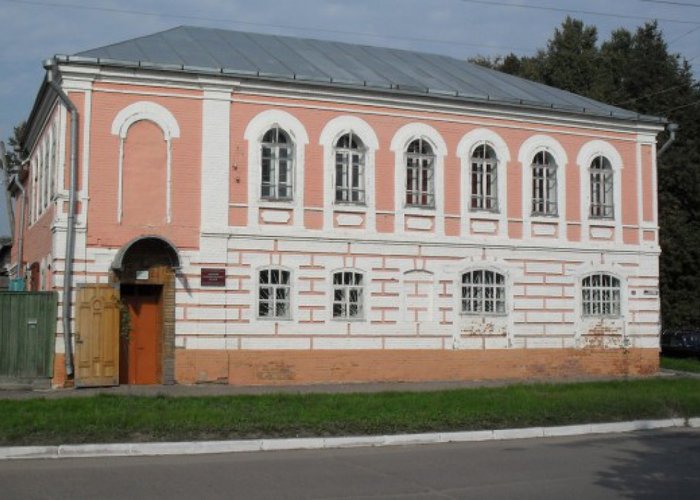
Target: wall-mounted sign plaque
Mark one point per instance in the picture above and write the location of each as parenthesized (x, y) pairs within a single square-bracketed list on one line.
[(212, 276)]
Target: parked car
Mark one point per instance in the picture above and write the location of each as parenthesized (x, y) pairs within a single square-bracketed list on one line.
[(681, 342)]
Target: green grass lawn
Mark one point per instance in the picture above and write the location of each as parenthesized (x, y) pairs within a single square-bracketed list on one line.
[(107, 418), (681, 364)]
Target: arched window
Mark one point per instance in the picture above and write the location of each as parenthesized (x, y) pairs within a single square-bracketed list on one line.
[(420, 174), (483, 292), (600, 295), (348, 292), (484, 174), (277, 164), (544, 184), (349, 169), (273, 294), (601, 180)]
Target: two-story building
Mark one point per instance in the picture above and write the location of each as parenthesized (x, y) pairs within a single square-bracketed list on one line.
[(258, 209)]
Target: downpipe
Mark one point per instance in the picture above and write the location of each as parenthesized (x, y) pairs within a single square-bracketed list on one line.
[(70, 230), (672, 128)]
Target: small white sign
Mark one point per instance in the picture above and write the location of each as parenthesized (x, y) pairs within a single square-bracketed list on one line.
[(142, 275)]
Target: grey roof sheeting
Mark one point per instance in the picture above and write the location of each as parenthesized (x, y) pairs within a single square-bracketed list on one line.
[(208, 50)]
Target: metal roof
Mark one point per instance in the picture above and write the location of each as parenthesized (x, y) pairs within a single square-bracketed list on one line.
[(254, 55)]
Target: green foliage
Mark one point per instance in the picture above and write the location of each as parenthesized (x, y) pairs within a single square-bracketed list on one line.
[(681, 364), (13, 152), (130, 418), (635, 70)]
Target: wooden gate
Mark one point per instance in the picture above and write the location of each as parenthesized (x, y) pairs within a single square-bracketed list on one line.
[(27, 336), (97, 336)]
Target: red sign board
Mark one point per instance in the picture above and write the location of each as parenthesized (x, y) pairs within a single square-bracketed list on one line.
[(213, 276)]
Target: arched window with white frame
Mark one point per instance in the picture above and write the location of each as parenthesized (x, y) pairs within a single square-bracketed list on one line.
[(420, 174), (276, 166), (601, 295), (602, 188), (348, 295), (350, 155), (274, 291), (483, 292), (484, 179), (544, 184)]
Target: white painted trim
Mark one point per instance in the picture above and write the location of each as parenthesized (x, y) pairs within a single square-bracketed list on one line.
[(164, 119), (330, 134), (465, 148), (402, 138), (145, 110), (583, 323), (216, 162), (585, 156), (331, 295), (640, 192), (293, 290), (528, 150), (85, 191), (433, 312), (254, 132)]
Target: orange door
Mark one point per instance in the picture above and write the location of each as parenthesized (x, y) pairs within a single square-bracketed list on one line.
[(143, 345)]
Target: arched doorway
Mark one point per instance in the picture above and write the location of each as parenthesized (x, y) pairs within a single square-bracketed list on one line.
[(144, 270)]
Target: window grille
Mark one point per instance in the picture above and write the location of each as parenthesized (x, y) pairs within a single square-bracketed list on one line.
[(601, 180), (600, 295), (349, 170), (277, 166), (483, 292), (420, 173), (544, 184), (347, 295), (484, 175), (273, 294)]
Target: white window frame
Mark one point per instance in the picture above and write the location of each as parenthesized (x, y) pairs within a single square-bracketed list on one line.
[(486, 172), (607, 307), (332, 131), (254, 132), (347, 288), (498, 291), (272, 300), (528, 150), (274, 158), (602, 189), (465, 148), (420, 164), (585, 157), (544, 197), (399, 143), (345, 182)]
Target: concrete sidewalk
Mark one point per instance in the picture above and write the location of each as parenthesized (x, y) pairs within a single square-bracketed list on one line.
[(232, 390)]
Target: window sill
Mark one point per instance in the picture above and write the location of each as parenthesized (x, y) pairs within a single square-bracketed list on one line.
[(483, 315), (417, 210), (350, 207), (602, 221), (484, 214), (276, 204), (544, 218)]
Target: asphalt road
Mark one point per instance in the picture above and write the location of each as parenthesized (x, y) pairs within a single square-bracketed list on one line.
[(654, 464)]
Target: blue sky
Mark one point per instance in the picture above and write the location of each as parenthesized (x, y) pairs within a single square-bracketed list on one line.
[(34, 30)]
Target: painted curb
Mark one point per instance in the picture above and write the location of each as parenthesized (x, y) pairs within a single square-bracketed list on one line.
[(316, 443)]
